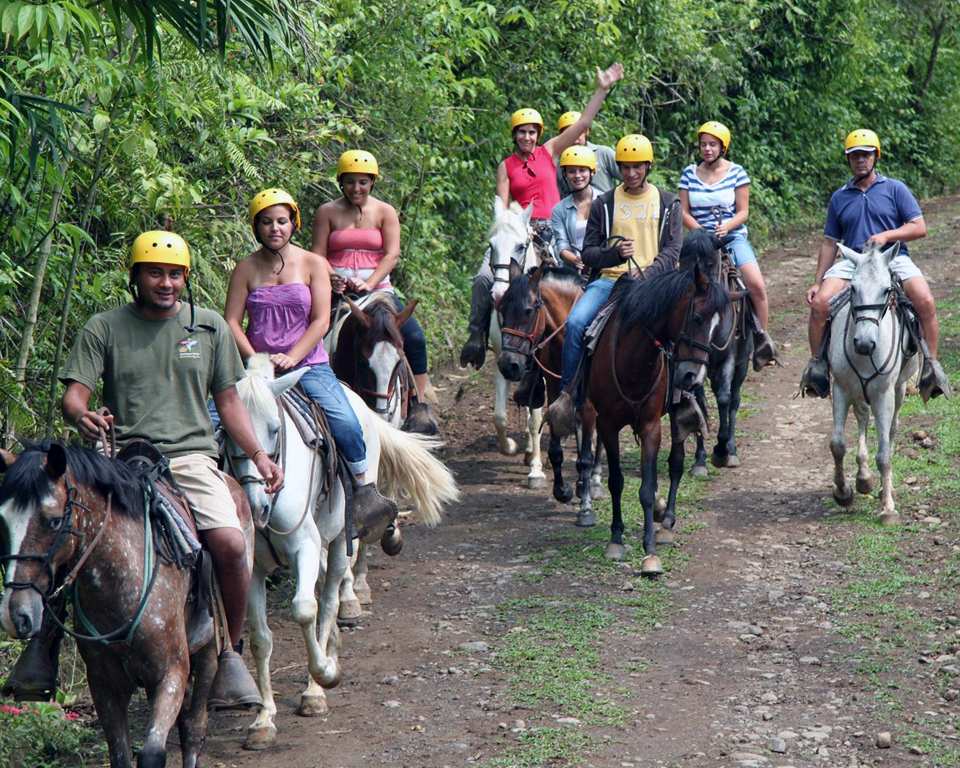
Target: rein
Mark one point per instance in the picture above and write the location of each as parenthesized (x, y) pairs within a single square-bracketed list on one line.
[(898, 327), (535, 337)]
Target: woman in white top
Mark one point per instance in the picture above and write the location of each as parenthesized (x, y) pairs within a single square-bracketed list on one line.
[(715, 195)]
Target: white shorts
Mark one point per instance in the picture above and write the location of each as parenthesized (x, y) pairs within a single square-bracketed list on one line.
[(901, 266)]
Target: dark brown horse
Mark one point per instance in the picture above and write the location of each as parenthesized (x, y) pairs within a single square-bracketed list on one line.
[(655, 343), (75, 521), (533, 314)]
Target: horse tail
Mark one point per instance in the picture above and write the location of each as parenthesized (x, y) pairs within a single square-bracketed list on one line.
[(410, 473)]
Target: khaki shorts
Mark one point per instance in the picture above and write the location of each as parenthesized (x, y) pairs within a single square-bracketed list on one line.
[(206, 487)]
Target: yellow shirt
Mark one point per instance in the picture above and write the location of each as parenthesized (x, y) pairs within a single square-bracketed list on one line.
[(637, 218)]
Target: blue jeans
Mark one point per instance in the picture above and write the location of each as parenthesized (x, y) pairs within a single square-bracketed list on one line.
[(322, 386), (414, 341), (582, 314)]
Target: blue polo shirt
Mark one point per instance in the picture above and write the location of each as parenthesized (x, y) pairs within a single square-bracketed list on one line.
[(854, 215)]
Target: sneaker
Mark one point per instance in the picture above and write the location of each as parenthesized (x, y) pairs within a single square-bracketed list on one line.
[(816, 378), (561, 416), (933, 380)]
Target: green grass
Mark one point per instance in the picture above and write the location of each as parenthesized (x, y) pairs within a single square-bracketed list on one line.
[(539, 747)]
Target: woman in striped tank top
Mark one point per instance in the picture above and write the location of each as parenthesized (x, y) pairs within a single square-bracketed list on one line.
[(718, 188)]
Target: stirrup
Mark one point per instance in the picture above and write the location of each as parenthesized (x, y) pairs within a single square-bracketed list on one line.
[(814, 381)]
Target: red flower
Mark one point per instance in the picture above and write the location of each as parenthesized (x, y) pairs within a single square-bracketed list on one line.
[(72, 715), (7, 709)]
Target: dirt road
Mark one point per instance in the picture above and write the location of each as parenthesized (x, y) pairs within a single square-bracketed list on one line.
[(786, 632)]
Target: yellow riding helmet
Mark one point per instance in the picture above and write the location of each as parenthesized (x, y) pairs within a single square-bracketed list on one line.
[(581, 157), (274, 196), (567, 119), (860, 139), (161, 247), (526, 117), (634, 148), (357, 161), (718, 131)]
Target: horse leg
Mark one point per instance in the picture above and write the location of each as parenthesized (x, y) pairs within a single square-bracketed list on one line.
[(111, 691), (531, 455), (721, 451), (192, 723), (360, 584), (649, 448), (668, 518), (699, 468), (262, 732), (611, 441), (166, 695), (506, 444), (864, 477), (350, 602), (842, 492), (884, 415), (562, 492), (739, 376), (310, 564), (585, 468), (596, 477)]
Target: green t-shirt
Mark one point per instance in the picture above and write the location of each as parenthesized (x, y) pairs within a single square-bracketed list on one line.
[(156, 375)]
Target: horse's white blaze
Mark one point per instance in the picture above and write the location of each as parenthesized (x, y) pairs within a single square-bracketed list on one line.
[(17, 520), (383, 362)]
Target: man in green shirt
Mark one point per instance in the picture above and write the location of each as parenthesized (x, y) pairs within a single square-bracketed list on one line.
[(159, 360)]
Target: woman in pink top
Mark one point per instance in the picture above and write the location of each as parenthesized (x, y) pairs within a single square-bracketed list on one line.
[(284, 291), (359, 235), (529, 176)]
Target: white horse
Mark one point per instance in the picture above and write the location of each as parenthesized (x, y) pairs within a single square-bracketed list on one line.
[(871, 367), (511, 241), (308, 535)]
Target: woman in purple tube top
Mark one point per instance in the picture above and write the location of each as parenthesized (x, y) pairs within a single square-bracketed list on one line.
[(284, 291)]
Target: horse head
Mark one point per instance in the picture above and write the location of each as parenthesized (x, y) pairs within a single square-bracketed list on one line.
[(521, 322), (510, 241), (378, 345), (869, 293), (258, 392)]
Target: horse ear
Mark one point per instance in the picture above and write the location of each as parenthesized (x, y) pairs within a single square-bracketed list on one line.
[(515, 270), (891, 253), (362, 317), (7, 459), (535, 274), (56, 464), (407, 312), (281, 385), (498, 207), (849, 253), (701, 277), (528, 213)]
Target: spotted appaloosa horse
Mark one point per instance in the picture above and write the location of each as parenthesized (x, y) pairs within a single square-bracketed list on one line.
[(73, 515)]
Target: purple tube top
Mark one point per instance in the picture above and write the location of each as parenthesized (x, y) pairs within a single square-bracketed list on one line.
[(279, 316)]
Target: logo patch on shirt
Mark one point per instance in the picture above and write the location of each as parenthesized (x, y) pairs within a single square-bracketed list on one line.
[(189, 349)]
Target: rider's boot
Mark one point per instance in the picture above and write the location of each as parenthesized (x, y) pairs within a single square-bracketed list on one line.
[(561, 415), (372, 512), (35, 675), (420, 419), (764, 350), (233, 686), (481, 307), (933, 380), (816, 378)]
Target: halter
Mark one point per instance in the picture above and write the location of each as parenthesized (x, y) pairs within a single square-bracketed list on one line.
[(534, 339), (856, 317)]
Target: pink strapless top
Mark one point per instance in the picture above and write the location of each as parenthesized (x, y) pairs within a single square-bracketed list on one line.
[(279, 316), (357, 253)]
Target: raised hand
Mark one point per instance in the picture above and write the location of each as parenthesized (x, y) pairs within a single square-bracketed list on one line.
[(607, 77)]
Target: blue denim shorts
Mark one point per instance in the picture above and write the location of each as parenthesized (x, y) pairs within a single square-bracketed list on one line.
[(740, 250)]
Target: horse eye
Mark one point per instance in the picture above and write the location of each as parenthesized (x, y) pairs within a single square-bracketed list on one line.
[(520, 248), (55, 523)]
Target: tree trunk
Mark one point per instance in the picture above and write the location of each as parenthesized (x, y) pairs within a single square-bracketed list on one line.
[(938, 29)]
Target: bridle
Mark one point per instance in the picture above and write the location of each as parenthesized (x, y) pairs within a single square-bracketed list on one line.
[(855, 315), (532, 342)]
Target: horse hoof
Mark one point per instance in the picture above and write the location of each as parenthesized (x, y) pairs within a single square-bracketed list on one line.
[(733, 461), (312, 706), (659, 508), (508, 447), (562, 493), (614, 551), (843, 499), (864, 485), (260, 738), (889, 518), (349, 613), (535, 483), (586, 519), (665, 537), (719, 460), (699, 470), (651, 567), (364, 596)]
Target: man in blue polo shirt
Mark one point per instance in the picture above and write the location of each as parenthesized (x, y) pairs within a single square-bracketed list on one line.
[(870, 209)]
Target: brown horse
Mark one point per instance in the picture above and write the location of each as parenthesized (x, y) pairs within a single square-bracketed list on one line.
[(76, 522), (655, 343), (533, 314)]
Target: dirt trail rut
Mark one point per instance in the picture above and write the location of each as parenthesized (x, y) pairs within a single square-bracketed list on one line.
[(743, 667)]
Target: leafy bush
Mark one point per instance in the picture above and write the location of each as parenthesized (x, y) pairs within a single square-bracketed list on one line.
[(44, 736)]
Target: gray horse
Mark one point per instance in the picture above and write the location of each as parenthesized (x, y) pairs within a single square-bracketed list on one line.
[(872, 362)]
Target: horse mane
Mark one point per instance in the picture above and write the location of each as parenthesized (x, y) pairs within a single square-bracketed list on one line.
[(383, 316), (254, 393), (26, 481), (645, 302), (553, 277), (700, 247), (512, 220)]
